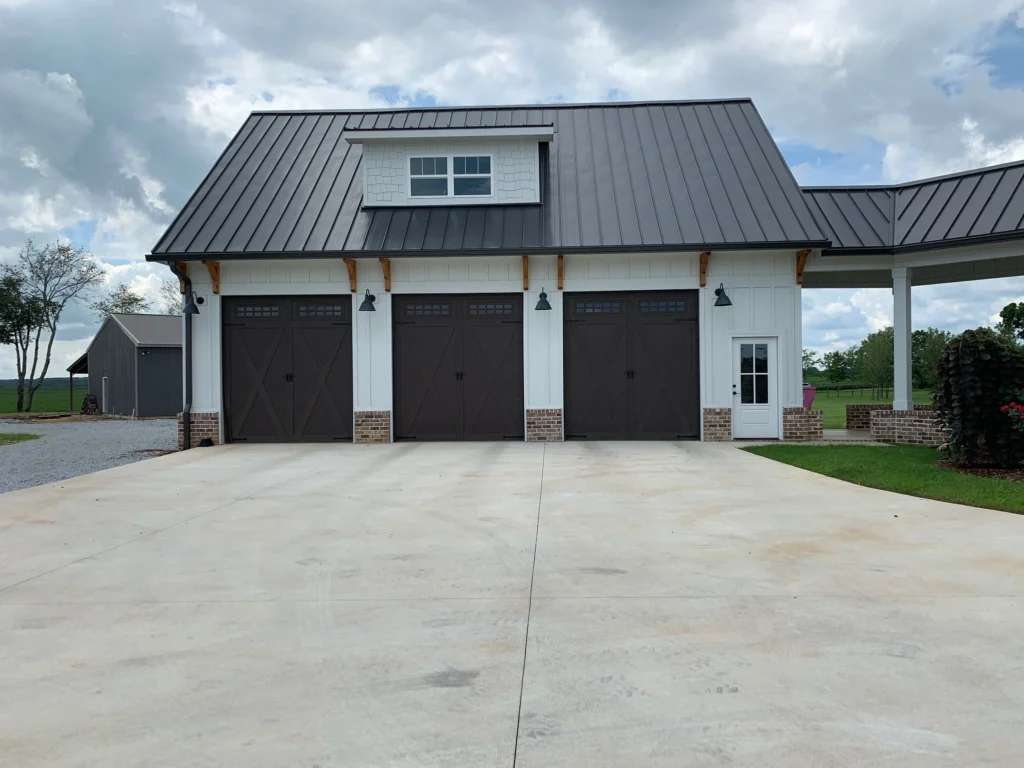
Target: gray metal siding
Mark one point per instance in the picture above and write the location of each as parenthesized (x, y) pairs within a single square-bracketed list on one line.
[(160, 381), (112, 354), (615, 176)]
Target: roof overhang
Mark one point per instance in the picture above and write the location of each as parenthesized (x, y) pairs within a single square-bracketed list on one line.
[(536, 132), (81, 365)]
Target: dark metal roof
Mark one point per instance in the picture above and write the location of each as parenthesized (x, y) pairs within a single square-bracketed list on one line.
[(81, 365), (663, 175), (983, 205)]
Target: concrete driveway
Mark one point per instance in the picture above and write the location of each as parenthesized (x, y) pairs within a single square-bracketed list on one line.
[(675, 604)]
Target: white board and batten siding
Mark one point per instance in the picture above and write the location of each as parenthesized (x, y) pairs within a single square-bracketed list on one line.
[(761, 285)]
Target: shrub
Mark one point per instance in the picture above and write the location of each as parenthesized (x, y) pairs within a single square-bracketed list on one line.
[(980, 372), (1015, 413)]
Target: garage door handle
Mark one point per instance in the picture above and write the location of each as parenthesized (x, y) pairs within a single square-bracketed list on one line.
[(289, 377)]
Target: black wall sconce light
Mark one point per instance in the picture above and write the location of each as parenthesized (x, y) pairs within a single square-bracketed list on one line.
[(543, 304), (722, 300), (190, 307), (367, 305)]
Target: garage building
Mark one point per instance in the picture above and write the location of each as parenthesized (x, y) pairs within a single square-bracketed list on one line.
[(607, 271)]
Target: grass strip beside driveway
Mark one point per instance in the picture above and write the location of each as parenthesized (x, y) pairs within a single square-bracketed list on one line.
[(16, 437), (909, 469)]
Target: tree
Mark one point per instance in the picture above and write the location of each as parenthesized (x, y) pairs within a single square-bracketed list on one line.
[(839, 365), (20, 317), (171, 300), (54, 276), (874, 363), (927, 347), (1011, 321), (121, 300), (810, 362)]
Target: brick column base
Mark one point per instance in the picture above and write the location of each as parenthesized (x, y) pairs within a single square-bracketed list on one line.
[(544, 425), (858, 415), (916, 427), (372, 427), (203, 426), (717, 425), (801, 424)]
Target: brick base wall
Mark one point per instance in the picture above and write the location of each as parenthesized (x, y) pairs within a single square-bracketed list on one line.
[(372, 427), (201, 426), (858, 415), (916, 427), (717, 424), (544, 425), (800, 424)]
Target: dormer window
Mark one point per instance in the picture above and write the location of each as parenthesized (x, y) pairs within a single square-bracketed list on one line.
[(428, 177), (450, 176), (472, 176)]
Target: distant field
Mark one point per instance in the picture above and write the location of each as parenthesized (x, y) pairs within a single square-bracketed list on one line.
[(47, 399), (833, 404)]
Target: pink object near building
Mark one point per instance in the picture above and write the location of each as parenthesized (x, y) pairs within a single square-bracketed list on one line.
[(809, 395)]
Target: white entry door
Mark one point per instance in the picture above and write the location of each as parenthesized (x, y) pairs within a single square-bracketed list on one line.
[(755, 389)]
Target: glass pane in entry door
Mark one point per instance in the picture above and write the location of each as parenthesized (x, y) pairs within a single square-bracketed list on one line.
[(747, 358)]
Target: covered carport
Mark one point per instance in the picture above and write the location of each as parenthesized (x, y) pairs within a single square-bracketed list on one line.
[(949, 229)]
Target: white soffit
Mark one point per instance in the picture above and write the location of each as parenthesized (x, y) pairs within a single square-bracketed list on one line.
[(538, 132)]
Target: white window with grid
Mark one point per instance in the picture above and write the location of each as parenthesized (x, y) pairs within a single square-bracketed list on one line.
[(451, 176)]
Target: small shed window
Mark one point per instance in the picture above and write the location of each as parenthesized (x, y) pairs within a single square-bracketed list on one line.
[(428, 177)]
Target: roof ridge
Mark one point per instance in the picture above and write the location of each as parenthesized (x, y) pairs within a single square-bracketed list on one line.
[(915, 182), (499, 107)]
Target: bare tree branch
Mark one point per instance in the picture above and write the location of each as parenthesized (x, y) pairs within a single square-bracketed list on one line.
[(55, 275)]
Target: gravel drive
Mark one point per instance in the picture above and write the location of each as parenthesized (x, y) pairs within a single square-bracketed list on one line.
[(68, 449)]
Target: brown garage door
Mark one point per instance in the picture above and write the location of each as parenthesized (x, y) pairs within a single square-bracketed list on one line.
[(631, 366), (288, 368), (458, 367)]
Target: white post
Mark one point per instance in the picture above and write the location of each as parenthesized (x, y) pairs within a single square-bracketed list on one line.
[(902, 393)]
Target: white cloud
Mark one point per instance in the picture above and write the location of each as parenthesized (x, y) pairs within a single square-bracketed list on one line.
[(114, 112)]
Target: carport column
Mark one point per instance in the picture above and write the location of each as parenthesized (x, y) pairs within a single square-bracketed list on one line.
[(903, 394)]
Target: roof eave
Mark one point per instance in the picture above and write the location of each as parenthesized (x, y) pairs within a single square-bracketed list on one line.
[(935, 245), (526, 250)]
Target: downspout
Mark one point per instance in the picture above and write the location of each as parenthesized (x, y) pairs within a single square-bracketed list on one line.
[(186, 411)]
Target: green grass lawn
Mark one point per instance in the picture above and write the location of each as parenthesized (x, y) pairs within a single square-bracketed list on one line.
[(15, 437), (47, 399), (833, 405), (910, 469)]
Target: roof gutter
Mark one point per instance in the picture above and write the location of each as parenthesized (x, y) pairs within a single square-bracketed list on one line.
[(186, 342), (935, 245), (522, 251)]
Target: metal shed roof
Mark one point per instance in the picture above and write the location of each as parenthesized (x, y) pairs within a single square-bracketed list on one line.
[(641, 176), (151, 330), (975, 206)]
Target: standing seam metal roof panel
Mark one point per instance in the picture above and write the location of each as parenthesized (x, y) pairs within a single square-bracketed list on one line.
[(620, 176), (983, 204)]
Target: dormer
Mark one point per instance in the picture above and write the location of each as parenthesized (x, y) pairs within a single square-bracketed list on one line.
[(451, 166)]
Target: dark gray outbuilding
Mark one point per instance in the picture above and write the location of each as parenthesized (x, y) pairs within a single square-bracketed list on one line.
[(134, 365)]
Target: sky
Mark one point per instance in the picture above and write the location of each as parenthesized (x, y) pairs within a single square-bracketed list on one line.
[(112, 111)]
